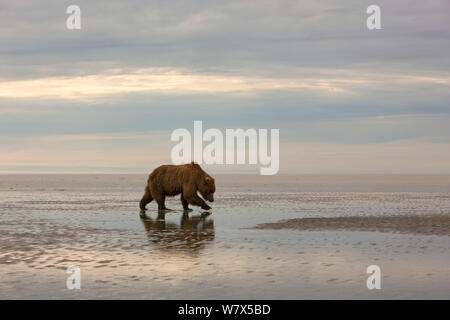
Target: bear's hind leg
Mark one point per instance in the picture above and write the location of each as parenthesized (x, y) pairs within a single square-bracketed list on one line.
[(159, 195), (147, 198), (161, 199)]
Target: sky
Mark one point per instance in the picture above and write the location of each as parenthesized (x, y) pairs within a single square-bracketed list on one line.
[(105, 98)]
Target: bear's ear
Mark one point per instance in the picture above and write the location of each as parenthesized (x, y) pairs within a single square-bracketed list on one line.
[(208, 179)]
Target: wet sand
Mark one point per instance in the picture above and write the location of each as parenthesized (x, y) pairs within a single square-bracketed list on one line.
[(438, 224), (51, 222)]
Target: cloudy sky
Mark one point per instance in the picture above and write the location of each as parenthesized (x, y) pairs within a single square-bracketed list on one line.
[(107, 97)]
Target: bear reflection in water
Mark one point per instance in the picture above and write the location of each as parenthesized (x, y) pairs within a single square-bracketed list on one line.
[(190, 235)]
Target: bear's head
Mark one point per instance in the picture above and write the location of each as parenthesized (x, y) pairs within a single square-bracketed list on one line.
[(207, 187)]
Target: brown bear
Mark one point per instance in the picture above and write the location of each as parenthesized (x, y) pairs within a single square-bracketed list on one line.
[(186, 179)]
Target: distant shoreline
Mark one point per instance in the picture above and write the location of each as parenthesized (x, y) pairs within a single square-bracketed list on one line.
[(244, 182)]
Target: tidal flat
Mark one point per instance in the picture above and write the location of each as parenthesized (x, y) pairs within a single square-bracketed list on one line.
[(334, 228)]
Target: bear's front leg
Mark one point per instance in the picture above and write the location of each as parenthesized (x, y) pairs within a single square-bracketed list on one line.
[(205, 206), (195, 200), (185, 204)]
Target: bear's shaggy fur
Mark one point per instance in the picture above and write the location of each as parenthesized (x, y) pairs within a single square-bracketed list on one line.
[(186, 179)]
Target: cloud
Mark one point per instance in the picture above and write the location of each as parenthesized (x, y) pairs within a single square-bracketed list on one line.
[(155, 81), (311, 69), (221, 36), (166, 81)]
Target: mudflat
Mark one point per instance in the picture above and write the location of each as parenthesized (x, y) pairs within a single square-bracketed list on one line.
[(438, 224), (319, 248)]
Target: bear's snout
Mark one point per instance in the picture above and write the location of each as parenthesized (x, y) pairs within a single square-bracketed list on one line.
[(210, 198)]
